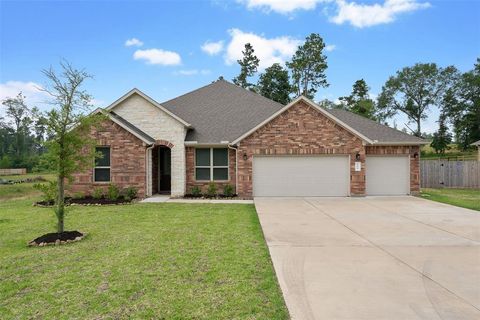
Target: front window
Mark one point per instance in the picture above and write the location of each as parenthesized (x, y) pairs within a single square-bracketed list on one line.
[(211, 164), (101, 172)]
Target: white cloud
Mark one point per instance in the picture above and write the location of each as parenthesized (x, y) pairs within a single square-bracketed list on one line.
[(367, 15), (34, 96), (330, 47), (212, 48), (158, 56), (192, 72), (281, 6), (269, 51), (133, 42)]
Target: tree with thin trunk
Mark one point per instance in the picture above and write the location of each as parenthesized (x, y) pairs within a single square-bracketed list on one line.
[(359, 101), (248, 67), (413, 90), (71, 147), (308, 67), (274, 84)]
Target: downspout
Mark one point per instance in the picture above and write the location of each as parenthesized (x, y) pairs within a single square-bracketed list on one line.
[(236, 166), (147, 169)]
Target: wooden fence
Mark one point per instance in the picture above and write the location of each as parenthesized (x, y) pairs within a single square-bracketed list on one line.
[(7, 172), (450, 174)]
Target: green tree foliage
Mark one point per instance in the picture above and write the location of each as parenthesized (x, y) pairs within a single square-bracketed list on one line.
[(308, 67), (71, 147), (359, 101), (413, 90), (248, 67), (274, 84), (462, 105), (442, 138), (22, 133)]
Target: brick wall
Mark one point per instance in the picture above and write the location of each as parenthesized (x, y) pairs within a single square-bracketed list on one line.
[(127, 161), (300, 130), (191, 182), (402, 150)]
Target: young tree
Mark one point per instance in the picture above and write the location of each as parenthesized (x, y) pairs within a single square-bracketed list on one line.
[(359, 101), (248, 67), (274, 84), (442, 137), (461, 103), (70, 149), (308, 67), (413, 90)]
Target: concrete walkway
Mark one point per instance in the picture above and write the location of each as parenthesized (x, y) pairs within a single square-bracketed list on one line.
[(374, 258)]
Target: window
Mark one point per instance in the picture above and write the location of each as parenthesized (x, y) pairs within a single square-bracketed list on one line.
[(211, 164), (101, 172)]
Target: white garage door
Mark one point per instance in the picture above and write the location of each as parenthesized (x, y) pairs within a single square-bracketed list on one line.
[(387, 175), (301, 176)]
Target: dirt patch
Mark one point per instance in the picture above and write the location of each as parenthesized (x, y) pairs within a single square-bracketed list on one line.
[(57, 238)]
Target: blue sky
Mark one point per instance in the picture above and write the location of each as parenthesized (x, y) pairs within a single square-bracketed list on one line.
[(179, 46)]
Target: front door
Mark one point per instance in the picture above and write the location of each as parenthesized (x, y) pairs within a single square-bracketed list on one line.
[(164, 158)]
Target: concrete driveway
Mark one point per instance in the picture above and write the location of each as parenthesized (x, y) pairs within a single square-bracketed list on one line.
[(374, 258)]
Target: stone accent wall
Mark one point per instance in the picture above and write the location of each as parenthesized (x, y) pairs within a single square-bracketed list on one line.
[(191, 182), (402, 150), (127, 161), (163, 128), (300, 130)]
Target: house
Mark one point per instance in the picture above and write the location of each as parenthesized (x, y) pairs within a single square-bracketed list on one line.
[(477, 143), (229, 135)]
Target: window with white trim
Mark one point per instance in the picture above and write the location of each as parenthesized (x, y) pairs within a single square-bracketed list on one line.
[(211, 164), (101, 172)]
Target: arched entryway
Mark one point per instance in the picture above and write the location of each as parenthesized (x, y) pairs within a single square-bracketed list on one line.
[(161, 169)]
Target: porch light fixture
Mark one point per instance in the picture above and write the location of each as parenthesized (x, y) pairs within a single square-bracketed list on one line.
[(245, 157), (415, 155), (357, 157)]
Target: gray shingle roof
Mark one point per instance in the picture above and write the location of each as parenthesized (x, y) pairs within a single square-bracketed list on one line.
[(373, 130), (221, 111)]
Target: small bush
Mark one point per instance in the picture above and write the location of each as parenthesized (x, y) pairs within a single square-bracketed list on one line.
[(113, 192), (49, 190), (130, 193), (195, 191), (78, 195), (97, 193), (228, 190), (212, 190)]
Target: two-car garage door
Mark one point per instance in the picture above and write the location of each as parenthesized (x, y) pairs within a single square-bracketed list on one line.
[(301, 176), (316, 176)]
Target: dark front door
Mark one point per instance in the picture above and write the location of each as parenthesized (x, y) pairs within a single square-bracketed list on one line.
[(165, 166)]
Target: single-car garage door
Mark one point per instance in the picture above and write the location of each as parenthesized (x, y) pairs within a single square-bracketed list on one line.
[(301, 176), (387, 175)]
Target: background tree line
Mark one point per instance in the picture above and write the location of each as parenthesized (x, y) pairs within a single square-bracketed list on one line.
[(412, 91)]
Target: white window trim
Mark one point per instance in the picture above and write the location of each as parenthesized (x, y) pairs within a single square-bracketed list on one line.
[(211, 166), (103, 167)]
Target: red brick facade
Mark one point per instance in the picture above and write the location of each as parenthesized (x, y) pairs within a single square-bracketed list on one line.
[(191, 182), (127, 161), (402, 150)]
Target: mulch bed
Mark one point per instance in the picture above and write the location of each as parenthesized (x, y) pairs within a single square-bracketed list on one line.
[(55, 238), (86, 201)]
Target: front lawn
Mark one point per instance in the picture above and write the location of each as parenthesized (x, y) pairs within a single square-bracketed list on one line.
[(21, 190), (142, 261), (466, 198)]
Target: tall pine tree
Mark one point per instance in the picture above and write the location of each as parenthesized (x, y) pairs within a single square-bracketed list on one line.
[(248, 67)]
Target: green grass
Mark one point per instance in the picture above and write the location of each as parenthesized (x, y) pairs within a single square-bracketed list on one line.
[(427, 152), (466, 198), (141, 261), (21, 190)]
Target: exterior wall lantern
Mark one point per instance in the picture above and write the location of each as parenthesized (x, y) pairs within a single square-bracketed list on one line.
[(245, 157), (357, 157)]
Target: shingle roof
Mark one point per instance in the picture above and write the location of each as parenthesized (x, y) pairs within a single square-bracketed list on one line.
[(221, 111), (374, 130), (132, 127)]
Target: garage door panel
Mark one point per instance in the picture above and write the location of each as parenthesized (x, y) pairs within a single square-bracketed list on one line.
[(387, 175), (301, 176)]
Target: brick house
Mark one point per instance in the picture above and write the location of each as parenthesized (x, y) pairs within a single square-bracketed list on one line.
[(229, 135)]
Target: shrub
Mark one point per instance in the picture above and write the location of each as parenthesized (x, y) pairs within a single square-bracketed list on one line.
[(97, 193), (130, 193), (195, 191), (212, 190), (49, 190), (228, 190), (78, 195), (113, 192)]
